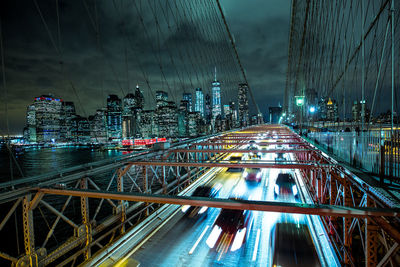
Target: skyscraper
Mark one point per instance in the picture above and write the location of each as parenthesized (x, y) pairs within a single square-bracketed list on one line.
[(167, 120), (68, 113), (331, 110), (47, 115), (188, 98), (139, 98), (161, 99), (227, 111), (193, 124), (207, 109), (216, 97), (243, 104), (148, 126), (234, 113), (199, 105), (99, 126), (114, 117), (31, 123), (129, 103)]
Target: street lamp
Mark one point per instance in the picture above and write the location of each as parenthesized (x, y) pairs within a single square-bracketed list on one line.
[(312, 109), (300, 103)]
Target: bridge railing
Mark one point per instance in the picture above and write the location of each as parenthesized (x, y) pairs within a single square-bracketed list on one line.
[(376, 152)]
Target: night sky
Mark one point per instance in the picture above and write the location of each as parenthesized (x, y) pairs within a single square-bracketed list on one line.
[(77, 73)]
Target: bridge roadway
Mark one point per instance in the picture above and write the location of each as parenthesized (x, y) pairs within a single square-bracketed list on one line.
[(182, 241)]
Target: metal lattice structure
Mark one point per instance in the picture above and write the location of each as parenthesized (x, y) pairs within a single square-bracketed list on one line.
[(112, 198), (347, 51)]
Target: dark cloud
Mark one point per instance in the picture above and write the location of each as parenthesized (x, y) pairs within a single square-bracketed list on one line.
[(261, 34), (83, 65)]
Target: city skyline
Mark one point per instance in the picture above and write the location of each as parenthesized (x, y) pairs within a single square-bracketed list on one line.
[(50, 119), (33, 66)]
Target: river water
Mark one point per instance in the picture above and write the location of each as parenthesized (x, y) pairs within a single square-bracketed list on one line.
[(36, 161)]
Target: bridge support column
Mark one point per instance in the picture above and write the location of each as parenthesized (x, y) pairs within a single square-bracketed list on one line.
[(31, 257), (164, 183), (122, 208), (332, 201), (347, 238), (371, 239), (145, 187), (86, 228)]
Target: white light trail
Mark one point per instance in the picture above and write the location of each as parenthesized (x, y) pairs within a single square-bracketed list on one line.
[(212, 239), (198, 240), (256, 245)]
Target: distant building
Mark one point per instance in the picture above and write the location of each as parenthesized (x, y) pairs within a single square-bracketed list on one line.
[(207, 109), (274, 114), (227, 111), (161, 99), (129, 103), (99, 126), (254, 120), (243, 105), (356, 110), (182, 121), (193, 124), (188, 98), (228, 118), (331, 110), (167, 120), (81, 129), (234, 113), (216, 97), (322, 109), (68, 113), (139, 99), (30, 133), (114, 118), (47, 116), (199, 105), (148, 126), (184, 105)]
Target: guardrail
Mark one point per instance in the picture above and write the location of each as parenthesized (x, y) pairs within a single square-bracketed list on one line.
[(375, 152)]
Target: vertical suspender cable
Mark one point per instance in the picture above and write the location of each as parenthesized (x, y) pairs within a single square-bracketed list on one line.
[(392, 20)]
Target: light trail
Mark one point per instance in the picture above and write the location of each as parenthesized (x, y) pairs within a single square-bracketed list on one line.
[(256, 246), (198, 240)]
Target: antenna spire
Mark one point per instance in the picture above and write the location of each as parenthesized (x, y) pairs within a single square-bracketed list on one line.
[(215, 73)]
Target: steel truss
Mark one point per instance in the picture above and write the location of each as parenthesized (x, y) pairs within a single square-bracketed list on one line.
[(54, 234), (352, 212)]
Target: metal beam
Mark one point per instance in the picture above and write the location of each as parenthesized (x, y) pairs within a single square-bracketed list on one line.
[(247, 143), (59, 214), (206, 150), (271, 206), (242, 164), (10, 212)]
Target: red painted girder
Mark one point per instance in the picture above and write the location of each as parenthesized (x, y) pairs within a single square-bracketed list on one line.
[(206, 150), (251, 138), (271, 206), (246, 143), (227, 164)]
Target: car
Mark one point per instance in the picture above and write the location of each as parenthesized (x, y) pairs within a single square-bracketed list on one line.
[(280, 157), (252, 174), (285, 185), (291, 245), (230, 230), (254, 154), (201, 191), (235, 158), (279, 145)]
